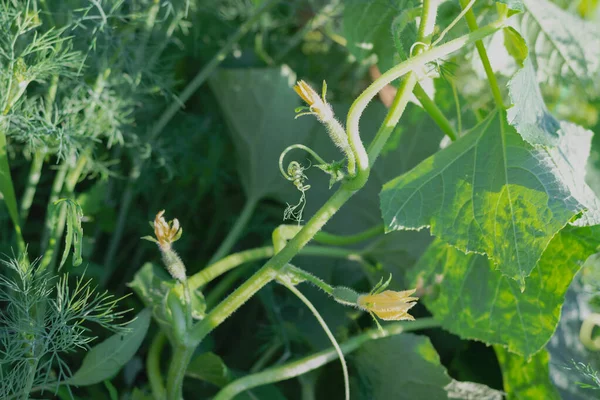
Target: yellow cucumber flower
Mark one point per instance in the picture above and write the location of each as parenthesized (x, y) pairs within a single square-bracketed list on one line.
[(389, 305)]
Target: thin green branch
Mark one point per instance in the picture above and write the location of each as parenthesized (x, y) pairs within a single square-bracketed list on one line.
[(299, 367), (213, 271), (346, 240), (300, 274), (7, 190), (472, 23), (434, 112), (323, 324), (236, 231)]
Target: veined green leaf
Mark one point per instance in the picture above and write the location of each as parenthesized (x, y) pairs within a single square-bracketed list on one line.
[(408, 367), (525, 379), (105, 359), (562, 45), (476, 302), (489, 192)]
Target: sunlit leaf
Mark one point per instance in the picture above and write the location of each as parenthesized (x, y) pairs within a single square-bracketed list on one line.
[(569, 144), (528, 113), (561, 44), (473, 301), (489, 192)]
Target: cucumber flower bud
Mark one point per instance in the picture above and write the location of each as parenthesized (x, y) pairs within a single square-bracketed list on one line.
[(166, 233), (389, 305), (320, 108)]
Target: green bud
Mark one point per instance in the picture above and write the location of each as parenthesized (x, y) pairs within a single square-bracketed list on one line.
[(344, 295)]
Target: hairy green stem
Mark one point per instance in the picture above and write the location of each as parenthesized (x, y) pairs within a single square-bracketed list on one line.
[(236, 231), (300, 274), (346, 240), (269, 271), (416, 63), (323, 324), (208, 274), (182, 356), (216, 293), (299, 367), (153, 366)]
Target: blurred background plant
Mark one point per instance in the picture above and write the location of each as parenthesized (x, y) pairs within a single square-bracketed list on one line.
[(128, 107)]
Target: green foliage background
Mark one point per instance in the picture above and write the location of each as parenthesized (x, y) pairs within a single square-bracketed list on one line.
[(494, 229)]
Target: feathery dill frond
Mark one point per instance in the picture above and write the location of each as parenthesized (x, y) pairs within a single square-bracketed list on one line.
[(43, 319)]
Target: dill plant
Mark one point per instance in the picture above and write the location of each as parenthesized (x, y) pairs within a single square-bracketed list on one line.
[(43, 319), (88, 88)]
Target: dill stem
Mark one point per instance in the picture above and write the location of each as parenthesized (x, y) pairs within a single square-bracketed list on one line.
[(7, 189), (57, 186), (32, 369), (35, 172)]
